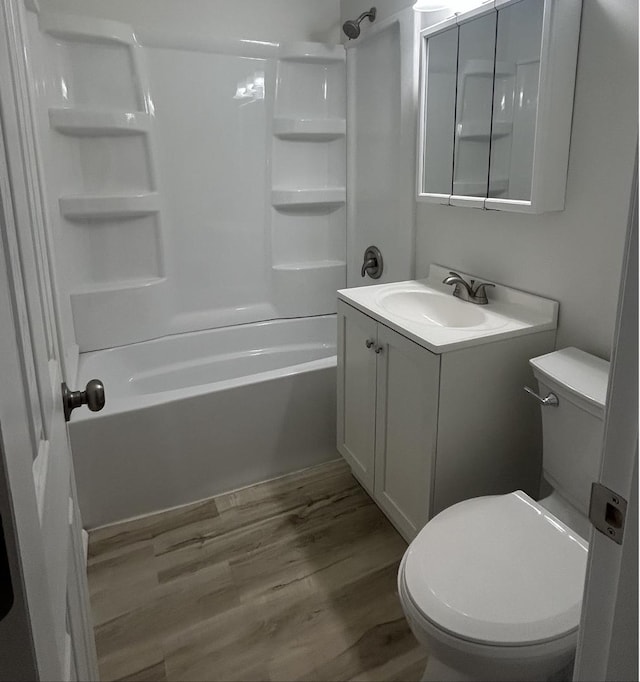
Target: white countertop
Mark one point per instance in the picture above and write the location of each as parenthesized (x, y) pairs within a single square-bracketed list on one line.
[(509, 313)]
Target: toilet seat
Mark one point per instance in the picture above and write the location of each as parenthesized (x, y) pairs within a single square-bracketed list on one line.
[(498, 570)]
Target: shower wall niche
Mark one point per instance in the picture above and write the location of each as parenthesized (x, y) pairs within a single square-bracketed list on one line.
[(190, 186)]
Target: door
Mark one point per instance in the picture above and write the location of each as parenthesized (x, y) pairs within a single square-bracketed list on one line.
[(406, 428), (357, 344), (608, 642), (40, 518)]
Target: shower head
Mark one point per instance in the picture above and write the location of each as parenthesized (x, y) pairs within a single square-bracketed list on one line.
[(351, 28)]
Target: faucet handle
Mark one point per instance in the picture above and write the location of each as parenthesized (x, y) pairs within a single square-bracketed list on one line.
[(450, 279), (479, 286), (479, 290)]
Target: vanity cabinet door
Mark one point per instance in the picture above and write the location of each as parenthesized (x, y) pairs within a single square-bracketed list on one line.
[(357, 340), (406, 429)]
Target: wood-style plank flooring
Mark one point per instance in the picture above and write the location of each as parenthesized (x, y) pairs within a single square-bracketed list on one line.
[(292, 579)]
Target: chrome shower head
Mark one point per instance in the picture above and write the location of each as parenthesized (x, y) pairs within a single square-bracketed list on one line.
[(351, 28)]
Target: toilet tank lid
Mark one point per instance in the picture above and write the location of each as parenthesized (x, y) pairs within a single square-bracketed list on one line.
[(581, 373)]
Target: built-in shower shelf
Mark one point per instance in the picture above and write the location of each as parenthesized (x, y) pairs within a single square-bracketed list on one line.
[(117, 207), (309, 129), (84, 123), (120, 312), (479, 130), (129, 285), (308, 287), (86, 29), (324, 199), (306, 266), (312, 53)]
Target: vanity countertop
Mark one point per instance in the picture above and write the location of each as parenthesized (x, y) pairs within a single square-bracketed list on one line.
[(426, 311)]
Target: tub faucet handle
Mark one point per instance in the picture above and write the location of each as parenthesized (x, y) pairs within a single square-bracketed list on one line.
[(372, 264)]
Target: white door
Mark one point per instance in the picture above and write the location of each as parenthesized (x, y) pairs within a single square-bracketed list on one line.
[(46, 633), (608, 643)]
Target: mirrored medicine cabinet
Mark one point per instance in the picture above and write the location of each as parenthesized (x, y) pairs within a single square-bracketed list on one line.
[(497, 86)]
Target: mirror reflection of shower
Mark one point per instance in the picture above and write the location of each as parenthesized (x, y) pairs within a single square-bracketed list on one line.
[(351, 28), (251, 88)]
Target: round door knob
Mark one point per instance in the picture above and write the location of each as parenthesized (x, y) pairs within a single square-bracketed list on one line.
[(93, 397)]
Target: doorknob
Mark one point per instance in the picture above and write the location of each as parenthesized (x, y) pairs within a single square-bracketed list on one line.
[(92, 397)]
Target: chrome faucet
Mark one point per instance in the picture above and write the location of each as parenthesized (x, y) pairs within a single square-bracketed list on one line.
[(471, 292)]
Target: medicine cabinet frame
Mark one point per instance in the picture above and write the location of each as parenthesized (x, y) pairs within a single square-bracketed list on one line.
[(556, 83)]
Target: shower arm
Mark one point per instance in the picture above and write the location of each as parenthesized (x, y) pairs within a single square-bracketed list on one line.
[(370, 13)]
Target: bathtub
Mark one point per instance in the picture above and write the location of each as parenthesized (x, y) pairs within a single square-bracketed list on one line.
[(194, 415)]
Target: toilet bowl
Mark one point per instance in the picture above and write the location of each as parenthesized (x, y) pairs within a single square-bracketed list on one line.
[(492, 586)]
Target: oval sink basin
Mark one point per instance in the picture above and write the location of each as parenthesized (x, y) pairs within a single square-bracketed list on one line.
[(435, 309)]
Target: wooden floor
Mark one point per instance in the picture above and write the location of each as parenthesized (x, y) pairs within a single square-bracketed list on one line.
[(293, 579)]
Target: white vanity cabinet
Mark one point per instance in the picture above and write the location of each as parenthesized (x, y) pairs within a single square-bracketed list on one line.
[(422, 430), (387, 416)]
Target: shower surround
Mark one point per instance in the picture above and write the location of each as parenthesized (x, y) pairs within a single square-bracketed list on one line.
[(191, 185)]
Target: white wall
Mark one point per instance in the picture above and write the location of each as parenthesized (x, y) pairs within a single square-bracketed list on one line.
[(573, 256), (273, 20)]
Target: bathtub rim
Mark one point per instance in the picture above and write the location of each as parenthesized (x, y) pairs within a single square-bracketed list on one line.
[(125, 404)]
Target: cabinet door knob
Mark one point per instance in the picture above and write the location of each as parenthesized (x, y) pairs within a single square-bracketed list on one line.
[(379, 349), (369, 343)]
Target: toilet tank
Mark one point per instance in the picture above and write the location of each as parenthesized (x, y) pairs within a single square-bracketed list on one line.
[(572, 432)]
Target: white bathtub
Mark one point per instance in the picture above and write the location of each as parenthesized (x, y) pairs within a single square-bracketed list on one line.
[(194, 415)]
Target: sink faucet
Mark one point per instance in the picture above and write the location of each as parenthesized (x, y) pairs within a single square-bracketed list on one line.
[(473, 293)]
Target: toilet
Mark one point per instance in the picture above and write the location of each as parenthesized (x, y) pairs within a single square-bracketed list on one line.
[(492, 586)]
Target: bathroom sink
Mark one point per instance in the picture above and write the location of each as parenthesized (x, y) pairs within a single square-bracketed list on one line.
[(435, 309), (426, 311)]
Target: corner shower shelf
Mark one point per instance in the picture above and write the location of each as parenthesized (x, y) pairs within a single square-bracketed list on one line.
[(116, 313), (118, 207), (309, 129), (119, 286), (324, 199), (86, 123), (312, 53), (308, 288), (86, 29)]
